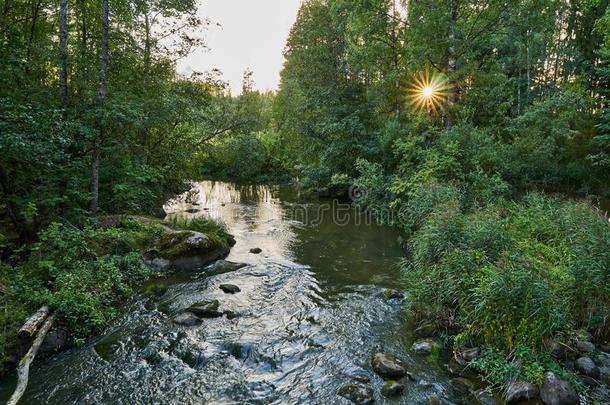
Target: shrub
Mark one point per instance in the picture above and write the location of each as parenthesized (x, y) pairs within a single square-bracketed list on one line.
[(512, 274)]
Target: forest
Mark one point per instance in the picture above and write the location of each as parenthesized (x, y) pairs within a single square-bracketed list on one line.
[(480, 130)]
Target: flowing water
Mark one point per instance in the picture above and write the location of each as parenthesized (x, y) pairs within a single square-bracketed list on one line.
[(310, 314)]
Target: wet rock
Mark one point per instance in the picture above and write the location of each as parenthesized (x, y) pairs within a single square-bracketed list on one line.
[(149, 305), (230, 314), (425, 330), (186, 319), (393, 294), (159, 213), (392, 389), (424, 347), (484, 397), (229, 288), (586, 366), (584, 346), (465, 356), (356, 393), (588, 381), (556, 391), (434, 400), (256, 250), (192, 210), (387, 366), (462, 385), (557, 350), (223, 266), (184, 251), (56, 340), (454, 368), (206, 309), (517, 390)]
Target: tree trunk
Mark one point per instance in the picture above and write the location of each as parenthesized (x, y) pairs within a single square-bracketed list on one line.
[(451, 62), (63, 52), (99, 116), (32, 324), (23, 371)]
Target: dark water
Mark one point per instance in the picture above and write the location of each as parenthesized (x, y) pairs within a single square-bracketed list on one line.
[(311, 314)]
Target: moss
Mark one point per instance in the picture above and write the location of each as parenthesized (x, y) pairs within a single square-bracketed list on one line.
[(173, 245)]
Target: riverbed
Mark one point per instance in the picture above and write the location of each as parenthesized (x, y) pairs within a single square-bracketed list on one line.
[(309, 316)]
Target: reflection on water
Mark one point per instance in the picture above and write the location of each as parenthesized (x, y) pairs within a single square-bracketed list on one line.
[(309, 315)]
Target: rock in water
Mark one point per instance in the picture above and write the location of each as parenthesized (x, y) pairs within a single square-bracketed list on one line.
[(517, 390), (485, 398), (206, 309), (256, 250), (425, 346), (556, 391), (392, 389), (229, 288), (187, 319), (358, 394), (387, 366), (393, 294), (462, 385), (586, 366)]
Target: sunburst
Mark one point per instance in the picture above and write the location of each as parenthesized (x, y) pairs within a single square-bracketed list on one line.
[(428, 91)]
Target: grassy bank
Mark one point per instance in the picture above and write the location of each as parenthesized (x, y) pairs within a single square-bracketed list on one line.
[(82, 274)]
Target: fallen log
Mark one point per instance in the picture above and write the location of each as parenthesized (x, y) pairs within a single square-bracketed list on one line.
[(23, 370), (32, 324)]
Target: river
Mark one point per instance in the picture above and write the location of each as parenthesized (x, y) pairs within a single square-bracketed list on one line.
[(311, 312)]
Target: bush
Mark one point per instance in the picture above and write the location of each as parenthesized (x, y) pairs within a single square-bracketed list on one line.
[(512, 274)]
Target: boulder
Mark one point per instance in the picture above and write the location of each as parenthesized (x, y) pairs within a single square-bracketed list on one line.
[(54, 341), (223, 266), (517, 390), (206, 309), (466, 355), (186, 319), (387, 366), (425, 330), (556, 391), (586, 366), (184, 251), (585, 347), (356, 393), (425, 346), (230, 314), (393, 294), (392, 389), (484, 397), (229, 288), (462, 385), (256, 250), (192, 210)]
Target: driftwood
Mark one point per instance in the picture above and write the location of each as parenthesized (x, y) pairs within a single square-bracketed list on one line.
[(32, 324), (23, 370)]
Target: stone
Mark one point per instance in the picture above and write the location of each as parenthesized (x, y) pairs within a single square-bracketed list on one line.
[(466, 355), (462, 385), (556, 391), (586, 366), (192, 210), (387, 366), (256, 250), (584, 346), (485, 397), (393, 294), (517, 390), (184, 251), (356, 393), (425, 330), (229, 288), (230, 314), (55, 340), (206, 309), (425, 346), (223, 266), (186, 319), (434, 400), (392, 389)]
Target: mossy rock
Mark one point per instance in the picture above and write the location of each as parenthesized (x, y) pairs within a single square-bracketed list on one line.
[(185, 251)]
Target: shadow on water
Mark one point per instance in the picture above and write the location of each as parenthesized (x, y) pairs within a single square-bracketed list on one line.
[(310, 314)]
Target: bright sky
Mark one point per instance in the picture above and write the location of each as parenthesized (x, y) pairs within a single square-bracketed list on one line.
[(252, 35)]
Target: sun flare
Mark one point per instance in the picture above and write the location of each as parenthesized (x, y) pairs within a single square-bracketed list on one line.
[(428, 91)]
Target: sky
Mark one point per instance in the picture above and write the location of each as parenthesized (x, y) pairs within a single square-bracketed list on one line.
[(252, 34)]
